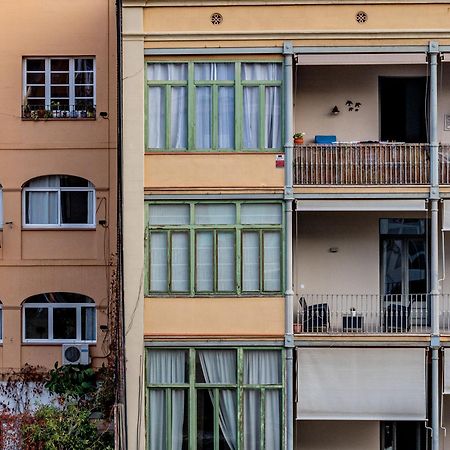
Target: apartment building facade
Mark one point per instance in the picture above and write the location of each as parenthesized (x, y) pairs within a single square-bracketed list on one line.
[(279, 295), (58, 181)]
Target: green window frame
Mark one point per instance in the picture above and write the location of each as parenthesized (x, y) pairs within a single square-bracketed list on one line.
[(241, 257), (167, 93), (191, 382)]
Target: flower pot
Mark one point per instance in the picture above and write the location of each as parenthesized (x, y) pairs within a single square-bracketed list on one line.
[(298, 141), (297, 328)]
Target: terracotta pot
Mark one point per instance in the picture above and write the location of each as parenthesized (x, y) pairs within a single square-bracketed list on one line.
[(297, 328), (298, 141)]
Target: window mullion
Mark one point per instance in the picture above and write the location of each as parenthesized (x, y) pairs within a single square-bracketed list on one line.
[(169, 260), (169, 418), (78, 322), (47, 83), (215, 117), (262, 417), (238, 107), (262, 115), (191, 108), (59, 208), (240, 399), (216, 418), (238, 253), (261, 260), (215, 256), (50, 322)]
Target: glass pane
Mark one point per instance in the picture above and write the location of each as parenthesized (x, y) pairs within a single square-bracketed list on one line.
[(59, 64), (402, 226), (215, 214), (69, 181), (252, 420), (36, 64), (273, 420), (84, 78), (156, 117), (36, 323), (64, 323), (159, 437), (180, 262), (88, 324), (36, 91), (272, 261), (203, 117), (393, 266), (261, 72), (214, 71), (261, 213), (167, 366), (204, 261), (216, 366), (41, 208), (262, 367), (74, 207), (59, 91), (417, 271), (168, 214), (251, 117), (158, 262), (84, 64), (167, 72), (226, 258), (178, 117), (59, 78), (205, 420), (84, 91), (250, 261), (226, 117), (35, 78), (272, 119)]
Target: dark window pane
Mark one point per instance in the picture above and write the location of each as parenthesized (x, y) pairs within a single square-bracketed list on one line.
[(36, 64), (74, 207), (35, 78), (84, 64), (36, 323), (88, 324), (36, 91), (59, 64), (68, 181), (36, 103), (84, 105), (402, 226), (84, 91), (84, 78), (60, 91), (205, 420), (60, 78), (64, 323)]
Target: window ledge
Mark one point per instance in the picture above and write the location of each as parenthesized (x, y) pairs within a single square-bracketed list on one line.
[(59, 343), (59, 119), (52, 228)]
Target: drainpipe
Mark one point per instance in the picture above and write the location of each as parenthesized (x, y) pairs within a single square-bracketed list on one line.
[(433, 52), (288, 53)]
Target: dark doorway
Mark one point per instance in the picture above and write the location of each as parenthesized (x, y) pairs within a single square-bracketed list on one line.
[(403, 109)]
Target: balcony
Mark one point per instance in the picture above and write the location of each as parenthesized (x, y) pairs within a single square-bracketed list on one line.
[(58, 111), (367, 164), (368, 314)]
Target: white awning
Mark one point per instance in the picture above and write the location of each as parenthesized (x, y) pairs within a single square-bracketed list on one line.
[(446, 382), (360, 205), (446, 216), (339, 59), (361, 384)]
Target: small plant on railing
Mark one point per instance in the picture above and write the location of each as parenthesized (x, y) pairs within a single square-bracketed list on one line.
[(298, 138), (56, 110)]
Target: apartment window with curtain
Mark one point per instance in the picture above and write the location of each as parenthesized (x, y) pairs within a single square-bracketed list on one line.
[(220, 106), (58, 201), (59, 317), (228, 399), (214, 248)]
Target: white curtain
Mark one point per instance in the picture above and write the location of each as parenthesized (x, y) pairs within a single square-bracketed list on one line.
[(226, 261), (261, 213), (219, 366), (262, 367), (166, 367), (168, 214), (272, 131), (272, 260), (180, 262), (88, 325), (251, 117), (158, 262), (250, 261), (226, 117), (156, 117), (203, 116), (42, 206), (178, 117), (204, 261), (215, 214)]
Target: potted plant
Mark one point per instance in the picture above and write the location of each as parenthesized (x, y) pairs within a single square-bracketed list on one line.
[(298, 138)]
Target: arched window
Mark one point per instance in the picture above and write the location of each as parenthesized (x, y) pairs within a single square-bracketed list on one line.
[(58, 201), (59, 317)]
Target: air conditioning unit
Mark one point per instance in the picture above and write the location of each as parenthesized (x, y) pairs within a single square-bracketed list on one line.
[(75, 354)]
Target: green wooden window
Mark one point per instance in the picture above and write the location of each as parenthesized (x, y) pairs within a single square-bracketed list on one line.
[(214, 248), (215, 399), (220, 106)]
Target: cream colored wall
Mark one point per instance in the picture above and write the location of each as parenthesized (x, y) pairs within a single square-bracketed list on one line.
[(226, 317), (337, 435), (319, 88), (36, 261)]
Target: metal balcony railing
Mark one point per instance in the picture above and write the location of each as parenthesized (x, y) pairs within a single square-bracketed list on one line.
[(58, 111), (362, 164), (367, 314)]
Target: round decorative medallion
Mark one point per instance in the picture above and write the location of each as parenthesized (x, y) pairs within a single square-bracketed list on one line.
[(361, 17), (216, 18)]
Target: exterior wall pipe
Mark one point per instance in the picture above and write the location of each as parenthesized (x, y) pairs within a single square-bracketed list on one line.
[(433, 52), (288, 53)]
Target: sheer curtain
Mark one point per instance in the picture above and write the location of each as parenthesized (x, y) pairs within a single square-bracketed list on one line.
[(219, 366), (262, 367), (42, 206), (166, 367), (158, 262)]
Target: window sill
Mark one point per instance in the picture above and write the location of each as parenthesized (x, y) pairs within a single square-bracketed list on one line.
[(58, 119), (58, 228), (60, 342)]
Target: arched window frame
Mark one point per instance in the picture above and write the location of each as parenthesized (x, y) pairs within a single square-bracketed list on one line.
[(59, 190), (51, 307)]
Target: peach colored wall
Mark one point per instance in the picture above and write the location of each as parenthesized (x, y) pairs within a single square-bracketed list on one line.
[(205, 170), (36, 261), (337, 435), (232, 317)]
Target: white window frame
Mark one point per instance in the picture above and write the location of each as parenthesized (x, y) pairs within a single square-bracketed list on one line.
[(91, 213), (48, 84), (50, 307)]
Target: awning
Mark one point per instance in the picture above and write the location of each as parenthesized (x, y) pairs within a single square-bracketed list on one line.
[(361, 384), (446, 215), (446, 383), (360, 205), (339, 59)]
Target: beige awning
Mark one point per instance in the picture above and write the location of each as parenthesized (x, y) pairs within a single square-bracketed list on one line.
[(339, 59), (361, 205)]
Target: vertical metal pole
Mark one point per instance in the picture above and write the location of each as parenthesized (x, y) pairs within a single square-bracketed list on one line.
[(433, 52), (288, 53)]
